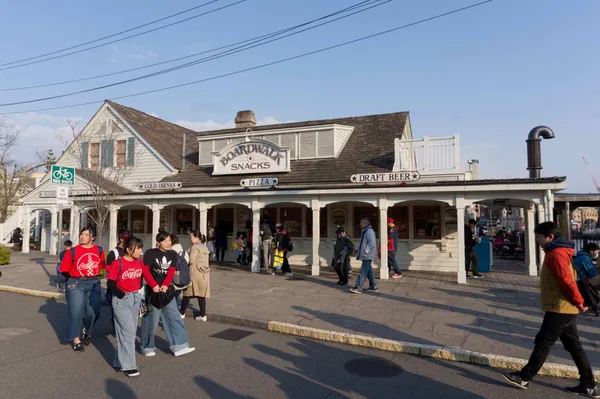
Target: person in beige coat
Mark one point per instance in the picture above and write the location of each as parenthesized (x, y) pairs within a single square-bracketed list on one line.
[(199, 276)]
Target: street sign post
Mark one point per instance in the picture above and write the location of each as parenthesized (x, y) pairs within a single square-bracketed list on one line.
[(63, 175), (62, 195)]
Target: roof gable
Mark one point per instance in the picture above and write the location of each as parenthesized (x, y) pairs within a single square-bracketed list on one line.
[(163, 137)]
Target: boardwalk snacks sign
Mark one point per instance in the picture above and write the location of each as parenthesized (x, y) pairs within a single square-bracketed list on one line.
[(251, 157)]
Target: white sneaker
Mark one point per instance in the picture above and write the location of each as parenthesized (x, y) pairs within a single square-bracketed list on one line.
[(150, 354), (201, 318), (182, 315), (184, 351)]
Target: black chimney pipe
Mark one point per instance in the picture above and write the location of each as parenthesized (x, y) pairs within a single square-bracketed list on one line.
[(534, 152)]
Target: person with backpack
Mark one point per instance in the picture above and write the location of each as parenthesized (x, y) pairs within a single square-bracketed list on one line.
[(67, 245), (158, 271), (199, 276), (584, 266), (342, 251), (182, 271), (561, 302), (113, 255), (124, 281), (282, 244), (82, 266), (237, 246), (266, 241)]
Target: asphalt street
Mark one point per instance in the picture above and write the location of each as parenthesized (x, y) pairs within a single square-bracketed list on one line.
[(35, 363)]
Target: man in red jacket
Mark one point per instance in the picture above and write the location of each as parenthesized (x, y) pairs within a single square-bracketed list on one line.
[(562, 302)]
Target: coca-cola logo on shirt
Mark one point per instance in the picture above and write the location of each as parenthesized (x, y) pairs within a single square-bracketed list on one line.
[(88, 264), (131, 274)]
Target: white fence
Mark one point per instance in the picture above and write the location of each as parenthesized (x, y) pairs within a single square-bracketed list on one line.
[(435, 154)]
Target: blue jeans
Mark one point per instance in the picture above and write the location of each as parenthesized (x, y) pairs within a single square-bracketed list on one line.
[(83, 305), (392, 264), (172, 324), (126, 314), (366, 271)]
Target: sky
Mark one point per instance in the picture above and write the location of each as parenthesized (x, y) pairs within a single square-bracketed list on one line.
[(490, 74)]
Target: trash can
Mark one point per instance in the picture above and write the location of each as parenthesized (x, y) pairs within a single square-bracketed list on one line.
[(483, 250)]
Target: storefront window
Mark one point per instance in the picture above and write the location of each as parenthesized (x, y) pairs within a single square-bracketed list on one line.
[(66, 220), (322, 223), (184, 219), (137, 221), (365, 211), (225, 219), (121, 220), (291, 219), (427, 222), (400, 216), (149, 224)]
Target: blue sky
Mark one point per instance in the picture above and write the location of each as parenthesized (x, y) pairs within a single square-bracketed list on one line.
[(490, 74)]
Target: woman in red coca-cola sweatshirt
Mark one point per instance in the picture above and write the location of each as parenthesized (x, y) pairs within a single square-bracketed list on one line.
[(81, 266), (124, 280)]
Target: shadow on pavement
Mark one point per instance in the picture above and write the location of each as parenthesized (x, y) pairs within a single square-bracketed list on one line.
[(366, 327), (116, 389), (311, 375), (56, 314), (215, 390)]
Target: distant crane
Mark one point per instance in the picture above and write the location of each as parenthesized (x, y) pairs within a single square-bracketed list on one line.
[(592, 174)]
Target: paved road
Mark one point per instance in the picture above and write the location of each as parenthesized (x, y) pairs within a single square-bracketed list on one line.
[(34, 364)]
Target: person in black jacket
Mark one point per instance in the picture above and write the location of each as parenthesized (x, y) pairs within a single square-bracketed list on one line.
[(283, 242), (470, 256), (342, 251)]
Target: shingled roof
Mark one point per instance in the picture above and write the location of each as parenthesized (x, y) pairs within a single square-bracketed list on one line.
[(370, 149), (165, 137)]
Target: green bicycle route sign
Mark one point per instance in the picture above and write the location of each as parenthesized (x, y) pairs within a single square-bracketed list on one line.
[(63, 175)]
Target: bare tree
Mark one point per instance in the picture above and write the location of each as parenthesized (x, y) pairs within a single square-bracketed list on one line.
[(15, 178), (102, 169)]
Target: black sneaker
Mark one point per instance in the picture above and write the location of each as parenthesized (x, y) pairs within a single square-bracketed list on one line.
[(78, 347), (516, 380), (86, 339), (373, 289), (583, 391), (131, 373), (477, 275)]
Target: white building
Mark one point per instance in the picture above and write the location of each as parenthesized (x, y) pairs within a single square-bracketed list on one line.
[(329, 172)]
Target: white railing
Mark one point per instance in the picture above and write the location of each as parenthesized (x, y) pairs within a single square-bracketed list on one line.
[(429, 154)]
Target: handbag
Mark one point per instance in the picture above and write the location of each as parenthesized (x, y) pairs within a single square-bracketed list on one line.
[(161, 299)]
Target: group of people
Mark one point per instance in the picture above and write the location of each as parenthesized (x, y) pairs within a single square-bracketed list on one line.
[(138, 285)]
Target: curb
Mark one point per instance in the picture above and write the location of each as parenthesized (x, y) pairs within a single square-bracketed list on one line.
[(26, 291), (388, 345)]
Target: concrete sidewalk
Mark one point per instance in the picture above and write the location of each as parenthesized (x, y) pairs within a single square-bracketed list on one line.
[(497, 315)]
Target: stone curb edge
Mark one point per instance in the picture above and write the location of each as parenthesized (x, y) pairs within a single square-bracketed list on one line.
[(410, 348), (26, 291)]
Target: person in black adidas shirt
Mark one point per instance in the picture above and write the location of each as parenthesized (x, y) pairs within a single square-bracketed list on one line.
[(158, 271)]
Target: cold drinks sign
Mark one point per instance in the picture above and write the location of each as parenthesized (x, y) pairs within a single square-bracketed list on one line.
[(251, 157)]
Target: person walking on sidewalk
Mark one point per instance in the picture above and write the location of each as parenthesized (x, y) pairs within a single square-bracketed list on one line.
[(470, 255), (392, 249), (199, 276), (158, 272), (367, 252), (562, 303), (282, 243), (124, 281), (342, 251), (114, 254), (82, 266), (586, 270), (266, 242), (220, 241)]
